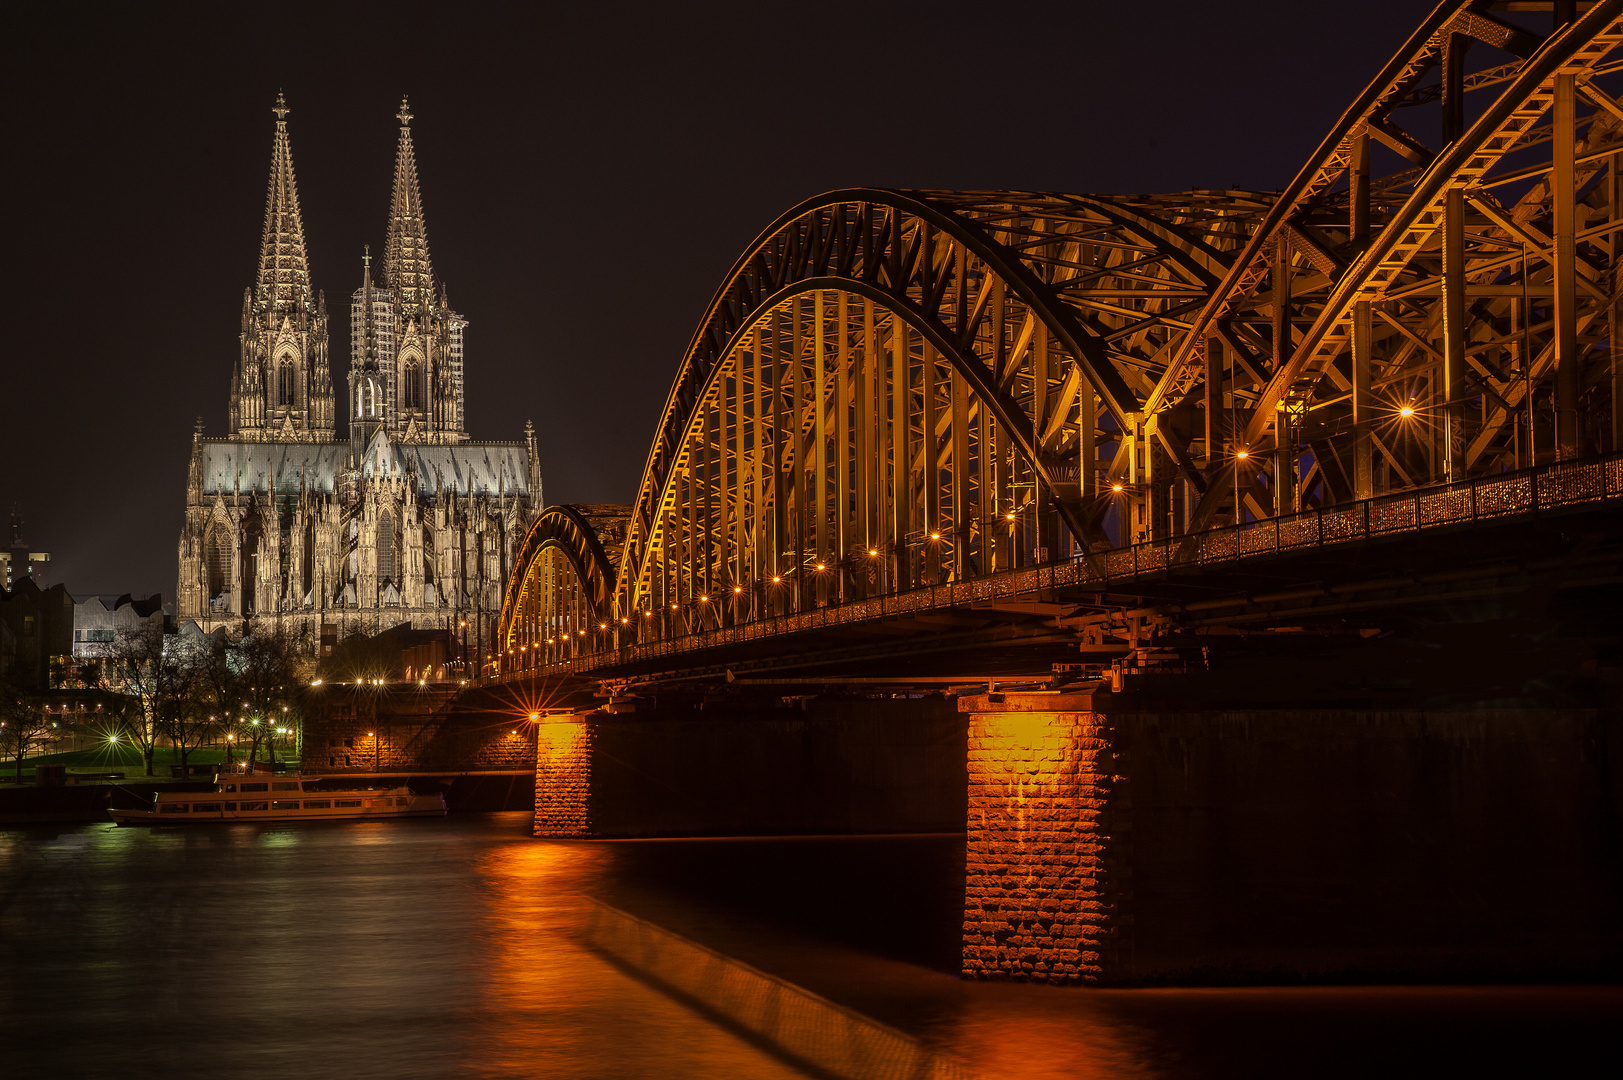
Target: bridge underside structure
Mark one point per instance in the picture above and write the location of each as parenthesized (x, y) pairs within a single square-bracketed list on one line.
[(926, 439)]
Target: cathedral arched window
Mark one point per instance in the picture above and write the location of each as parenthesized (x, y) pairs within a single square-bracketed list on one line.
[(252, 532), (414, 385), (388, 549), (284, 381), (217, 558), (309, 555)]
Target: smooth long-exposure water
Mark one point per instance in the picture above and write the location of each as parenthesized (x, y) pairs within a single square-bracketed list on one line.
[(453, 947)]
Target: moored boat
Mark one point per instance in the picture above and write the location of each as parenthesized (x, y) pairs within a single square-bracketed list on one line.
[(279, 798)]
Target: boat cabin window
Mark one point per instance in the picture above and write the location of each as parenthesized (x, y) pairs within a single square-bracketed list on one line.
[(282, 785), (212, 807), (252, 806), (172, 808), (285, 804), (346, 802), (255, 787), (230, 806), (318, 804)]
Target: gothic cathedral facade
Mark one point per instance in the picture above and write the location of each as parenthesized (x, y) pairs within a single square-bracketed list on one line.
[(402, 518)]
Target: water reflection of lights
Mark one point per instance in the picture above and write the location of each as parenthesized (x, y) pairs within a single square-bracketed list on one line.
[(566, 1010)]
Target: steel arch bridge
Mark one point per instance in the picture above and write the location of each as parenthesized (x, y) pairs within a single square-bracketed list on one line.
[(898, 390)]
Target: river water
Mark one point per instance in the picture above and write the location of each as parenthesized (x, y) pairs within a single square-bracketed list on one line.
[(453, 947)]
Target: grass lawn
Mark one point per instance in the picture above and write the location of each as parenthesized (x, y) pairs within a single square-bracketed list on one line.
[(122, 757)]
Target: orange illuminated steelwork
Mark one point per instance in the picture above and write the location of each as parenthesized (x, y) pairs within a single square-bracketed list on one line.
[(888, 371)]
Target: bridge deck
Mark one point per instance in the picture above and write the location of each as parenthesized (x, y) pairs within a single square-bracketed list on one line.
[(1007, 625)]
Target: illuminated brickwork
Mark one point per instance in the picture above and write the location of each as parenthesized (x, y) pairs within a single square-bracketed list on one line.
[(1044, 869), (407, 730), (563, 777)]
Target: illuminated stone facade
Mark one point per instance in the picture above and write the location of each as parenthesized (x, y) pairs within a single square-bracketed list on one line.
[(405, 520)]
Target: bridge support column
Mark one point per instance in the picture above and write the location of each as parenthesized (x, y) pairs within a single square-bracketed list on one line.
[(1115, 838), (752, 767), (1044, 870), (563, 776)]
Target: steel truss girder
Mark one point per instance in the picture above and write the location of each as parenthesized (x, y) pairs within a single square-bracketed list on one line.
[(563, 529), (1146, 301), (897, 248)]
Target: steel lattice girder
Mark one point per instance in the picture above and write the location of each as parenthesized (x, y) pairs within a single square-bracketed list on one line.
[(1462, 282), (1107, 281), (567, 530)]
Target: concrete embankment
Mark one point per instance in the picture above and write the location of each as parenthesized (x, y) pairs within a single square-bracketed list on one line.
[(812, 1032)]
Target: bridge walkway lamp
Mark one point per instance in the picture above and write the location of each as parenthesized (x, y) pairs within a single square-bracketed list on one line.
[(1240, 455)]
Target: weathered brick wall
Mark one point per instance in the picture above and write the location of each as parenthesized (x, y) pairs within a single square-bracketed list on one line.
[(410, 730), (1045, 872), (563, 776)]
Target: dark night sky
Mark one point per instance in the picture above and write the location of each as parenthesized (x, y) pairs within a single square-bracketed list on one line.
[(590, 171)]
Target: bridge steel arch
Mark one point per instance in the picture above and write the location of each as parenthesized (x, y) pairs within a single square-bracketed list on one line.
[(893, 388), (1412, 313), (561, 586), (899, 388)]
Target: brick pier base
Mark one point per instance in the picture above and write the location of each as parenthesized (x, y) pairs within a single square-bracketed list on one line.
[(763, 768), (1044, 871), (1268, 845), (563, 776)]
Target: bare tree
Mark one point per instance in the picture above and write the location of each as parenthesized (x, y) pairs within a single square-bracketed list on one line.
[(188, 712), (137, 677), (259, 684), (23, 724)]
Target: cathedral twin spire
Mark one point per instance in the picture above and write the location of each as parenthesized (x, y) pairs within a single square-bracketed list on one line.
[(406, 266), (281, 388), (284, 267)]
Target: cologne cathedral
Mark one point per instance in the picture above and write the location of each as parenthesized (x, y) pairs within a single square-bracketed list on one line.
[(401, 518)]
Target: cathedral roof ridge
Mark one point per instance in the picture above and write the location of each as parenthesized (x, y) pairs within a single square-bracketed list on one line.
[(284, 266)]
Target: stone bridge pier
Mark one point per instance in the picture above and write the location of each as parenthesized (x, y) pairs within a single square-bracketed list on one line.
[(772, 766), (1113, 842), (1108, 844)]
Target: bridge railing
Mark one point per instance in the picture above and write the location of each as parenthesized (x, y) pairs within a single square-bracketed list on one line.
[(1487, 498)]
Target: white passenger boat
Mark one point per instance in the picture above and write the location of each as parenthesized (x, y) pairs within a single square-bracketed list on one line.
[(279, 798)]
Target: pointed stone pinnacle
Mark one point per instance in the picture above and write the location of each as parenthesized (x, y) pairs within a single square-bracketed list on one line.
[(406, 265), (284, 273)]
